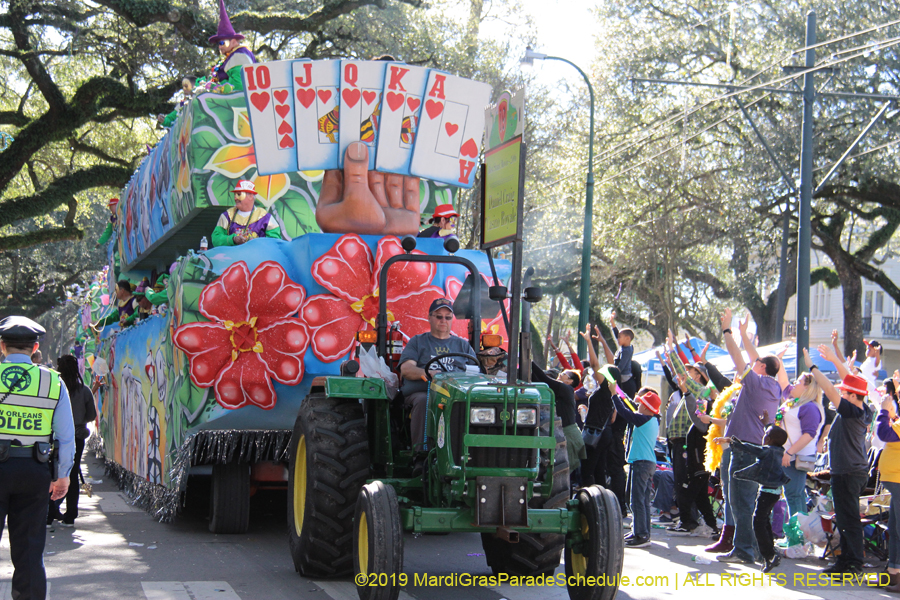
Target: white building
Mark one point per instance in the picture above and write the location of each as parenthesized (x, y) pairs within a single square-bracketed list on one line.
[(881, 315)]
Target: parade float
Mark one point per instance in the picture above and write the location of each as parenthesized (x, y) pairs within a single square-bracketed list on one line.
[(215, 376)]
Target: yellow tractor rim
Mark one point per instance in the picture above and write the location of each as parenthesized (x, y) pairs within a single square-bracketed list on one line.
[(300, 485), (580, 561), (362, 532)]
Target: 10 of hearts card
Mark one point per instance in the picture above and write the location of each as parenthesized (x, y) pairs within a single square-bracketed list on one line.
[(415, 121)]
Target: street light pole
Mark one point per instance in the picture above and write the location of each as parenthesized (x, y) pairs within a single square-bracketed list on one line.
[(584, 308)]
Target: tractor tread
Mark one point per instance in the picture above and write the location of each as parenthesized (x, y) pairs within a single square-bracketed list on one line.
[(336, 468)]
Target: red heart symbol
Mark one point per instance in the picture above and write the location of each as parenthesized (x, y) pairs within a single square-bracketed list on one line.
[(351, 97), (450, 128), (413, 103), (286, 142), (285, 127), (369, 97), (306, 97), (324, 95), (281, 96), (434, 108), (260, 100), (283, 110), (394, 100), (470, 148)]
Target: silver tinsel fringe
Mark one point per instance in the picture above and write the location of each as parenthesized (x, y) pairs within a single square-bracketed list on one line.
[(208, 447)]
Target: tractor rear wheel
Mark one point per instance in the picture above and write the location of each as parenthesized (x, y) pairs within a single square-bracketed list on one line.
[(378, 543), (229, 505), (536, 553), (329, 463), (602, 550)]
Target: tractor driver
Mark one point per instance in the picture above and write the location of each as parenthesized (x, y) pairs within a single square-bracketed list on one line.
[(421, 349)]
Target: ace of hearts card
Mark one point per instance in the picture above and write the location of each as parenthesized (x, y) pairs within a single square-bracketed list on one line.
[(317, 102), (404, 88), (360, 107), (451, 128), (270, 104)]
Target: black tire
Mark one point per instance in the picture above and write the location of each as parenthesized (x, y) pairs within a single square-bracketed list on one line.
[(230, 499), (378, 543), (329, 463), (603, 548), (535, 554)]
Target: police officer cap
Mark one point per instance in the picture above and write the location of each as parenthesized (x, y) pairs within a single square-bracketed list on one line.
[(20, 329)]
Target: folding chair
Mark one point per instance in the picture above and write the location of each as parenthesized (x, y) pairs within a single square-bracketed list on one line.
[(832, 546)]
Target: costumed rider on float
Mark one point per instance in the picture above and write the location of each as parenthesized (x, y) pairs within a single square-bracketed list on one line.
[(226, 76), (417, 353), (443, 223), (244, 222), (126, 305)]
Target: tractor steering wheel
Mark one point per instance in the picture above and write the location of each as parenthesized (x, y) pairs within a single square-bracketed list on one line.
[(443, 368)]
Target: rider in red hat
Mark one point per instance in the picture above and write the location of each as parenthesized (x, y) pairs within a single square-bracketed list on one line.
[(443, 223), (244, 221)]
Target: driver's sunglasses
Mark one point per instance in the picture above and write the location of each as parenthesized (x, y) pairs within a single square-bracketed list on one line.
[(443, 318)]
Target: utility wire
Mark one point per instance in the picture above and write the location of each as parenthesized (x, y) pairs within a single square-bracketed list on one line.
[(676, 117)]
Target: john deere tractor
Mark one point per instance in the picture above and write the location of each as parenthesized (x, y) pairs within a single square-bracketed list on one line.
[(496, 464)]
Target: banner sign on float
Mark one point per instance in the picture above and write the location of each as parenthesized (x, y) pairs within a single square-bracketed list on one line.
[(501, 213)]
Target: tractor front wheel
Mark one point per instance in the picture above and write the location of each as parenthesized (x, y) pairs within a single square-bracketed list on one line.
[(378, 543), (601, 551)]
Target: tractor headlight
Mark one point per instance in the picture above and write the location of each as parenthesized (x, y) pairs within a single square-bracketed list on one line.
[(482, 416), (526, 416)]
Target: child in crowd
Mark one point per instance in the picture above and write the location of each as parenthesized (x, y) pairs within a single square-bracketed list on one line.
[(642, 458), (768, 472), (622, 358)]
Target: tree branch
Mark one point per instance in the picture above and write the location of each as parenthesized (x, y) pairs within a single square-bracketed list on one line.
[(34, 238), (60, 191)]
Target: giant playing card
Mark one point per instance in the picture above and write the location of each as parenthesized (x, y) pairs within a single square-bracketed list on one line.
[(451, 128), (361, 84), (270, 104), (404, 88), (317, 102)]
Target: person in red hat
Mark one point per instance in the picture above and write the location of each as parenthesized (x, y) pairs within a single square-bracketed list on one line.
[(847, 458), (234, 55), (443, 223), (642, 458), (244, 221)]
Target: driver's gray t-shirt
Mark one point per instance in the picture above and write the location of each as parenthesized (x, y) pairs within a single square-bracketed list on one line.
[(423, 347)]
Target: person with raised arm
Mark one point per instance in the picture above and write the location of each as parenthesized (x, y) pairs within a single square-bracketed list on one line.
[(847, 456), (754, 409)]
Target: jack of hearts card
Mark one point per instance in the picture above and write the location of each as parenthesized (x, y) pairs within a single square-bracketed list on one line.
[(404, 88), (360, 107), (317, 103), (451, 128), (270, 104)]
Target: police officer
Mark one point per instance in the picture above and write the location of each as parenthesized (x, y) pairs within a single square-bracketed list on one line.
[(34, 407)]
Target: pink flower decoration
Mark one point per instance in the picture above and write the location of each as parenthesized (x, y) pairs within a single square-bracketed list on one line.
[(252, 338), (350, 273)]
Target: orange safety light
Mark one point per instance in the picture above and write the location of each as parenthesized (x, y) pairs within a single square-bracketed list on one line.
[(491, 340), (367, 337)]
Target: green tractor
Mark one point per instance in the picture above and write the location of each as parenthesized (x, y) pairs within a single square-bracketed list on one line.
[(496, 465)]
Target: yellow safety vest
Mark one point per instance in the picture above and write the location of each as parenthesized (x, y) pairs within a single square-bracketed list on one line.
[(26, 416)]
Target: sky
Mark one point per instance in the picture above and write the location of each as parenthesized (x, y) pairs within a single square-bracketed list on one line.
[(565, 28)]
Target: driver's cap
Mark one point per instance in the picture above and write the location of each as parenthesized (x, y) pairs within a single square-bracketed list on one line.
[(440, 303)]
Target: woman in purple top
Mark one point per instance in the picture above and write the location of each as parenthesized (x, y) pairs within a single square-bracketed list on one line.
[(802, 417)]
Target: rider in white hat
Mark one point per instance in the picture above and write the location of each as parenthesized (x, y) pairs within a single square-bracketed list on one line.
[(244, 222)]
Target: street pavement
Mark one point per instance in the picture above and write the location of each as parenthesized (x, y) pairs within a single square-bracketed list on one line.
[(118, 552)]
